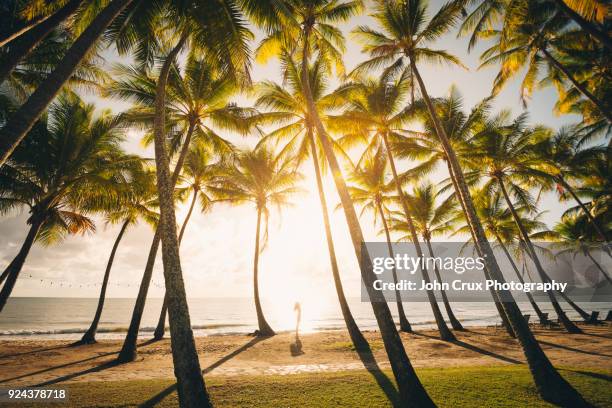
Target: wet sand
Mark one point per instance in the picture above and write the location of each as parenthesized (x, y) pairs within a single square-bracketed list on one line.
[(38, 362)]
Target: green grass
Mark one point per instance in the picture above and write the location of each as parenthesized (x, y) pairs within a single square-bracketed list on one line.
[(449, 387)]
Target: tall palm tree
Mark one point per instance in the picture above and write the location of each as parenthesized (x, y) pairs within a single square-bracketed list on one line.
[(371, 190), (286, 108), (263, 180), (70, 166), (139, 205), (198, 173), (507, 159), (303, 26), (431, 219), (405, 37), (376, 113), (198, 105)]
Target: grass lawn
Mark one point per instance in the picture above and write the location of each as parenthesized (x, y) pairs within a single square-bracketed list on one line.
[(507, 386)]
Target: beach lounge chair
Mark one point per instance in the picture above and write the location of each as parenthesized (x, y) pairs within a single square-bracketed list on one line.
[(593, 318), (609, 316), (544, 319), (527, 317)]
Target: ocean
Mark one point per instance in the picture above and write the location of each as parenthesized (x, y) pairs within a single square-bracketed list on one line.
[(68, 318)]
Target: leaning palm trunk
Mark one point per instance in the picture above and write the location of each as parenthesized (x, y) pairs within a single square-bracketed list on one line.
[(14, 268), (161, 323), (128, 350), (90, 335), (445, 333), (22, 46), (449, 311), (11, 36), (587, 26), (534, 305), (404, 324), (601, 106), (264, 327), (565, 321), (190, 382), (359, 341), (549, 383), (411, 390), (22, 121)]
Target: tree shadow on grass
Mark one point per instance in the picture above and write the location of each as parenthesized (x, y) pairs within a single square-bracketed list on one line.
[(599, 376), (385, 384), (474, 348), (157, 398)]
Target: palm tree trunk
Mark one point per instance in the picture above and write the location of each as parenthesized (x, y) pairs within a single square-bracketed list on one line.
[(404, 324), (498, 304), (90, 335), (586, 211), (534, 305), (128, 350), (567, 323), (455, 323), (359, 341), (549, 383), (445, 333), (264, 327), (22, 121), (190, 382), (605, 111), (21, 48), (14, 268), (6, 39), (588, 27), (411, 390), (161, 323)]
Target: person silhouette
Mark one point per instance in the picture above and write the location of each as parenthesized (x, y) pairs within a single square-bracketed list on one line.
[(296, 347)]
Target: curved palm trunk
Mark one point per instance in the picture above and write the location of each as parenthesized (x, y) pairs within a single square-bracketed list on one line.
[(6, 39), (190, 382), (411, 390), (264, 327), (360, 343), (588, 27), (534, 305), (161, 323), (404, 324), (586, 211), (445, 333), (90, 335), (498, 304), (21, 47), (565, 321), (22, 121), (603, 109), (128, 350), (14, 268), (449, 311), (549, 383)]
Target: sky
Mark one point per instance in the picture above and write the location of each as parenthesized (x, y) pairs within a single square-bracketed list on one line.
[(217, 250)]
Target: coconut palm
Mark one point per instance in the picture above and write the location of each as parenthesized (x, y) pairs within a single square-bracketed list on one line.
[(286, 108), (405, 36), (303, 27), (199, 171), (431, 219), (263, 180), (70, 166), (139, 205), (370, 189)]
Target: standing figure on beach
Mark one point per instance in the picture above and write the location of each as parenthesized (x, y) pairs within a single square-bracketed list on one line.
[(296, 348)]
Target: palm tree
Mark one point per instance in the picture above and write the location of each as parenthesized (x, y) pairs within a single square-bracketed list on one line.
[(304, 27), (199, 103), (376, 112), (138, 206), (71, 165), (286, 107), (371, 190), (573, 235), (431, 219), (198, 173), (405, 36), (261, 179), (529, 35)]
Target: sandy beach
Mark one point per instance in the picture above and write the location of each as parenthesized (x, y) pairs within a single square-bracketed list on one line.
[(47, 362)]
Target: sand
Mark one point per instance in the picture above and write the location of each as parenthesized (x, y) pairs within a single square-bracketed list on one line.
[(46, 362)]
